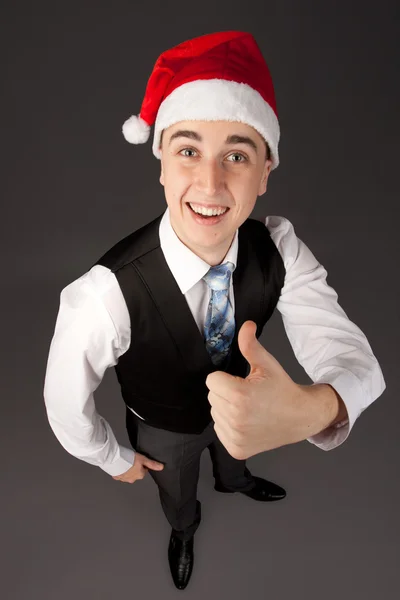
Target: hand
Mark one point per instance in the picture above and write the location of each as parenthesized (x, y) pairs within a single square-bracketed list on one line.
[(139, 469), (262, 411)]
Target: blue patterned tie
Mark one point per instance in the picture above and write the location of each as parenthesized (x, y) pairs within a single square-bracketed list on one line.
[(219, 326)]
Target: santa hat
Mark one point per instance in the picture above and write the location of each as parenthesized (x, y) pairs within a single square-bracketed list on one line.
[(216, 77)]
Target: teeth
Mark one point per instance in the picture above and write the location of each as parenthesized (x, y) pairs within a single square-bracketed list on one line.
[(208, 211)]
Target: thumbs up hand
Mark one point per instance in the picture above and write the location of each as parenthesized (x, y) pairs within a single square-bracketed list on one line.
[(261, 412)]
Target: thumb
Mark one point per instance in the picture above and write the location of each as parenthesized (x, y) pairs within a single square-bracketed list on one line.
[(250, 347), (153, 464)]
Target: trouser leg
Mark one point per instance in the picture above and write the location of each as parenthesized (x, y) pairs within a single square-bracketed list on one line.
[(177, 482), (228, 471)]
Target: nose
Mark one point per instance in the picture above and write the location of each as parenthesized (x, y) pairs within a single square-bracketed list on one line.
[(210, 177)]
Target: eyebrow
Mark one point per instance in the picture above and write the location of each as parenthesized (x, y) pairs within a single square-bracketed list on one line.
[(231, 139)]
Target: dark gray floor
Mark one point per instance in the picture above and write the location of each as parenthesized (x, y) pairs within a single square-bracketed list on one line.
[(72, 187), (71, 531)]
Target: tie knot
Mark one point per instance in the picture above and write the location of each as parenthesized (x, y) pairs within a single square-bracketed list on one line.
[(218, 277)]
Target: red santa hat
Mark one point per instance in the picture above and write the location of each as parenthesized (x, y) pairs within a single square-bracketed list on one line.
[(216, 77)]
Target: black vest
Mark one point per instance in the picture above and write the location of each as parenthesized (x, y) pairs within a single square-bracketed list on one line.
[(162, 374)]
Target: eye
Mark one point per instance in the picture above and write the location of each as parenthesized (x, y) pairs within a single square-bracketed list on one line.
[(186, 150), (244, 159)]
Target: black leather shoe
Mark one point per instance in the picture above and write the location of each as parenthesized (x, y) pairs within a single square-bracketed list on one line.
[(264, 490), (180, 558)]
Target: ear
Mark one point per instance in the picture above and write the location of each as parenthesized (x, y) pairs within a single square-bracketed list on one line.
[(162, 172), (263, 183)]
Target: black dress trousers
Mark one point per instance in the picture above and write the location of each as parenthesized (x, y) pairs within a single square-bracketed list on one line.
[(177, 482)]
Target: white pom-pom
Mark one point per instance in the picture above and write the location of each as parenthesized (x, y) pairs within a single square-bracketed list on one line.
[(135, 130)]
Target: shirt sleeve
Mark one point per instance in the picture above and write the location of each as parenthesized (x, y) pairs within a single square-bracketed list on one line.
[(327, 344), (85, 343)]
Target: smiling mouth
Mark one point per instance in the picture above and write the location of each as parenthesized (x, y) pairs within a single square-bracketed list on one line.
[(208, 216), (207, 220)]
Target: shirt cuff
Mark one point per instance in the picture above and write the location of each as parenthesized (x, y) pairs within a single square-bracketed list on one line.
[(124, 460), (349, 388)]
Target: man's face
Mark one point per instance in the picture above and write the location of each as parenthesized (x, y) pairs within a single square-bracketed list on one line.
[(212, 163)]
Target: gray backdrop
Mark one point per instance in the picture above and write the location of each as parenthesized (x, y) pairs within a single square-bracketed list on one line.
[(72, 187)]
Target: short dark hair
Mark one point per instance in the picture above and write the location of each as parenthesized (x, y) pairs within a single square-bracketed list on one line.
[(267, 148)]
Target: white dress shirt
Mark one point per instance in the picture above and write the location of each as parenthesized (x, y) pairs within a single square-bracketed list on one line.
[(93, 330)]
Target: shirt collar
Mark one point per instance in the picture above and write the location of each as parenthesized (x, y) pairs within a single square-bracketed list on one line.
[(186, 267)]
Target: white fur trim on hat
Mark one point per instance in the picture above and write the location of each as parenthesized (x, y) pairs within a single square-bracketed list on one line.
[(219, 100)]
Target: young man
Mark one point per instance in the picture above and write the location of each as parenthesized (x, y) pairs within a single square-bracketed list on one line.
[(173, 305)]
